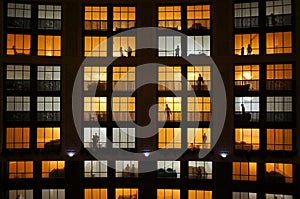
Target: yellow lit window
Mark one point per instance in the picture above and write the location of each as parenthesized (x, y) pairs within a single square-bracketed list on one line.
[(200, 194), (95, 78), (169, 109), (17, 138), (169, 17), (246, 44), (198, 109), (20, 169), (53, 169), (95, 46), (280, 139), (279, 77), (49, 45), (18, 44), (279, 42), (48, 137), (95, 108), (199, 138), (123, 108), (123, 18), (169, 78), (168, 193), (124, 78), (95, 18), (246, 139), (169, 138), (247, 77), (127, 193), (279, 173), (195, 75), (127, 169), (200, 170), (124, 46), (198, 17), (245, 171), (95, 193)]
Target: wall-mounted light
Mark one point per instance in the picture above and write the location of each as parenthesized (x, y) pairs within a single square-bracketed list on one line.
[(224, 154), (146, 154), (71, 152)]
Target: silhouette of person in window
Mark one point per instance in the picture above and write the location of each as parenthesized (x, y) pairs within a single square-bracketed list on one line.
[(249, 49), (199, 172), (132, 170), (204, 138), (200, 81), (121, 52), (168, 112), (243, 110), (243, 50), (95, 140), (129, 51), (177, 51)]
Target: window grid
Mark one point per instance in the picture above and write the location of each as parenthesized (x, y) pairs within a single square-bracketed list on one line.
[(168, 45), (95, 168), (95, 18), (95, 108), (247, 77), (250, 112), (168, 193), (247, 139), (198, 17), (194, 79), (18, 15), (53, 169), (48, 108), (198, 138), (124, 44), (169, 17), (20, 169), (48, 78), (281, 196), (49, 17), (18, 77), (246, 15), (198, 109), (95, 46), (198, 45), (169, 109), (246, 44), (279, 77), (127, 193), (279, 139), (169, 78), (244, 171), (124, 78), (278, 173), (123, 138), (279, 108), (279, 42), (123, 18), (94, 137), (95, 193), (24, 194), (200, 170), (123, 108), (278, 13), (169, 138), (199, 194), (48, 137), (17, 138), (95, 78), (49, 45), (53, 193), (168, 169), (18, 44), (126, 169), (243, 195), (17, 108)]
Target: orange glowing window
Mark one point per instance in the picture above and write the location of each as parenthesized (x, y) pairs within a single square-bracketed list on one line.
[(18, 44), (17, 138), (49, 45)]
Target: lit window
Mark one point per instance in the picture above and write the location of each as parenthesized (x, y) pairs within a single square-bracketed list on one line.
[(17, 108), (199, 194), (48, 78), (20, 169), (127, 193), (247, 109), (198, 109), (123, 18), (200, 170), (169, 46), (123, 138), (246, 15), (18, 44), (95, 168), (95, 193), (18, 77), (48, 108), (281, 196), (95, 18), (168, 193), (48, 138), (280, 109), (49, 17), (123, 108), (94, 137), (279, 42), (18, 15), (245, 171), (198, 78), (49, 45), (246, 139), (17, 138), (279, 13), (24, 194), (95, 108), (168, 169), (169, 138), (95, 46), (198, 45), (95, 78), (279, 77), (198, 17), (169, 78), (246, 44), (169, 109), (123, 46), (243, 195), (53, 193), (169, 17), (198, 138), (279, 139), (279, 173), (127, 169), (53, 169), (246, 78), (124, 78)]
